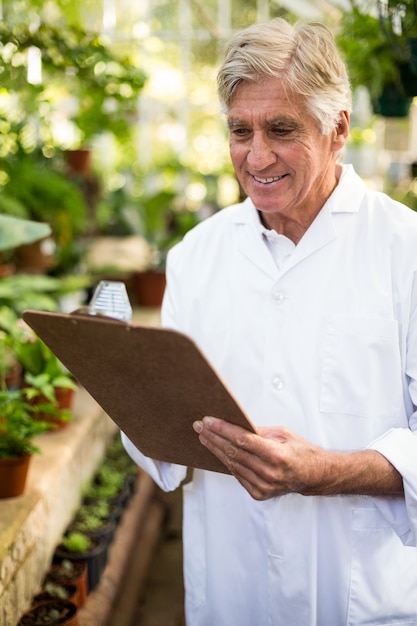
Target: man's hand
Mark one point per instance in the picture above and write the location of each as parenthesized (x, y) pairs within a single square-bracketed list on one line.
[(275, 461)]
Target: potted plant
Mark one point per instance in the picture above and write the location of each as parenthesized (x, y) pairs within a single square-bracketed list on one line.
[(90, 522), (109, 483), (51, 612), (77, 546), (101, 507), (118, 459), (376, 62), (51, 590), (20, 292), (18, 428), (10, 368), (49, 385), (15, 232), (69, 572), (161, 221), (46, 194)]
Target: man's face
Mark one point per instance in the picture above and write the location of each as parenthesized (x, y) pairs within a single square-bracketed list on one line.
[(282, 161)]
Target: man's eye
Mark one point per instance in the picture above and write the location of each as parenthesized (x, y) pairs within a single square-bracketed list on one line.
[(281, 131), (240, 132)]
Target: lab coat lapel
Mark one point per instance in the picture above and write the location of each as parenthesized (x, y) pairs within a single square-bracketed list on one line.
[(251, 244), (321, 232), (346, 198)]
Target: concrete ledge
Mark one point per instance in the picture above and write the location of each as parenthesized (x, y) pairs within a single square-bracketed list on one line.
[(32, 524)]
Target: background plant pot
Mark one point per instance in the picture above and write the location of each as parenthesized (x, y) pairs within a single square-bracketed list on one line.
[(96, 559), (14, 377), (71, 573), (36, 257), (132, 481), (64, 399), (71, 591), (105, 532), (13, 475), (36, 614), (79, 161), (6, 269), (392, 102), (412, 47), (116, 510), (408, 76), (150, 287)]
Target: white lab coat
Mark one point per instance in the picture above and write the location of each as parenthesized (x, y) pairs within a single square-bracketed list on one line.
[(327, 346)]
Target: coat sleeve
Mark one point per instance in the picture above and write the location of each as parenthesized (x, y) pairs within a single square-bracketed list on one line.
[(167, 476), (399, 446)]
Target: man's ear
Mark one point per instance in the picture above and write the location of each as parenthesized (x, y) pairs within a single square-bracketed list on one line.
[(342, 131)]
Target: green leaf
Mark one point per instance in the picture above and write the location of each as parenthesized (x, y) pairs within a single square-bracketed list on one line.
[(15, 232)]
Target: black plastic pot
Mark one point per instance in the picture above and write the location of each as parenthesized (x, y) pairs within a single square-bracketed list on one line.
[(408, 77), (392, 102), (96, 559), (105, 532), (36, 615)]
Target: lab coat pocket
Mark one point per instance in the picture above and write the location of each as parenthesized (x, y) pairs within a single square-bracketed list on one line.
[(361, 368), (383, 589)]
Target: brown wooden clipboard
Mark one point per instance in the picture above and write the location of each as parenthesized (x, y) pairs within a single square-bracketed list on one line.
[(152, 382)]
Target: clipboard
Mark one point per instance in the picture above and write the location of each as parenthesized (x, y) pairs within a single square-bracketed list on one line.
[(152, 382)]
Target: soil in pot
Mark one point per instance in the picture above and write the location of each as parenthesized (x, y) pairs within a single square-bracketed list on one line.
[(52, 612)]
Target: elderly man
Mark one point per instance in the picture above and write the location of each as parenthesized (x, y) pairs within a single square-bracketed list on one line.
[(303, 299)]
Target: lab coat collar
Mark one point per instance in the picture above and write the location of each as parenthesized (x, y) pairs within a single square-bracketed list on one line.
[(346, 198)]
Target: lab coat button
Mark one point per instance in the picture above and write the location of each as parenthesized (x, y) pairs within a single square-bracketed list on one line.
[(278, 383), (278, 297)]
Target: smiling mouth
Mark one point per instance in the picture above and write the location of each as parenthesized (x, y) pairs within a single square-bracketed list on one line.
[(271, 179)]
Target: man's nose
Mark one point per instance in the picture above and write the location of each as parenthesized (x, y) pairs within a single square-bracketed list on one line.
[(260, 154)]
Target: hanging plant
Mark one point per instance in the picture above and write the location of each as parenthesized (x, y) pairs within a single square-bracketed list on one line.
[(375, 61)]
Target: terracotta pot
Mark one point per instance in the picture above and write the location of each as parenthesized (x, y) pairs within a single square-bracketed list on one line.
[(35, 257), (13, 475), (76, 575), (79, 161), (7, 269), (64, 397), (150, 287), (72, 594), (14, 377), (36, 614)]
